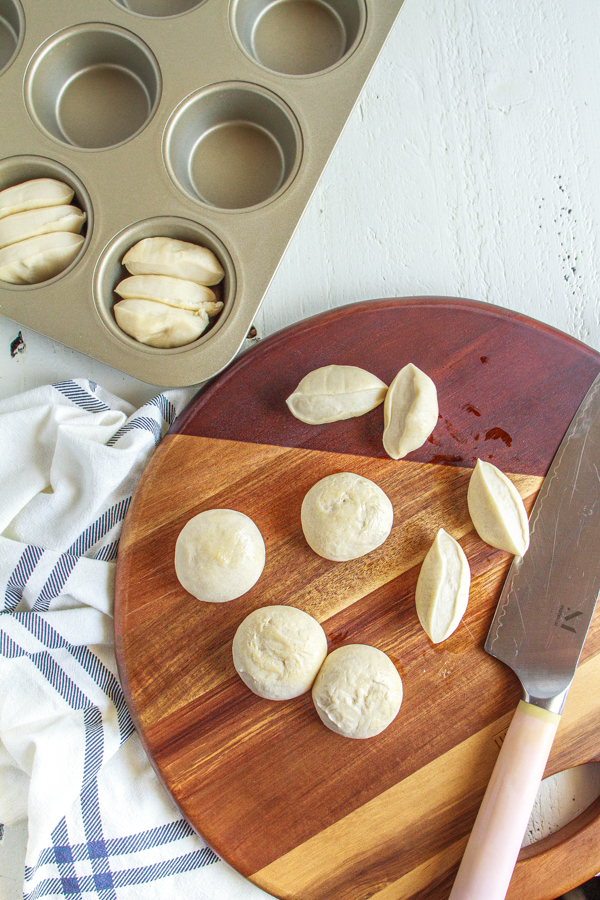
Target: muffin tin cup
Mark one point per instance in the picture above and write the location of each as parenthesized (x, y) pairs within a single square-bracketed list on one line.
[(110, 271), (298, 37), (12, 31), (92, 86), (232, 146), (17, 169), (204, 120)]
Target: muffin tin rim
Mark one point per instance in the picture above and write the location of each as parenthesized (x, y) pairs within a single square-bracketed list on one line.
[(132, 12)]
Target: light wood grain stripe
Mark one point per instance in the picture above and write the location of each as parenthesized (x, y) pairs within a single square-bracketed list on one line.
[(219, 467), (385, 826), (423, 880)]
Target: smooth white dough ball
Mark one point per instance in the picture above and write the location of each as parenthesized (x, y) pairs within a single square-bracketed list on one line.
[(358, 691), (278, 650), (345, 516), (219, 555)]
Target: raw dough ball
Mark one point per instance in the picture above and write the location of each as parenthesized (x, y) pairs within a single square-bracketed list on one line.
[(332, 393), (345, 516), (278, 650), (496, 510), (219, 555), (358, 691)]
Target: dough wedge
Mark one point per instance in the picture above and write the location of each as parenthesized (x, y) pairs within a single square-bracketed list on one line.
[(410, 412), (32, 222), (173, 291), (442, 592), (179, 259), (159, 325), (333, 393), (39, 258), (34, 194), (496, 509)]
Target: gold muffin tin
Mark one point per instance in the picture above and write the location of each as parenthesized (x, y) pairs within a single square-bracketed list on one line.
[(204, 121)]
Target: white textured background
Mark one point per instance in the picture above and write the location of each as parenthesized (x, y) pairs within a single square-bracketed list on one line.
[(469, 167)]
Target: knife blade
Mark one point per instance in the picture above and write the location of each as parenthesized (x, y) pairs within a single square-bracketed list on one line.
[(539, 629)]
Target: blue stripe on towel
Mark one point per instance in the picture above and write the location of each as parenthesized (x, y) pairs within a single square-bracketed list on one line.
[(138, 423), (100, 528), (79, 396), (20, 576)]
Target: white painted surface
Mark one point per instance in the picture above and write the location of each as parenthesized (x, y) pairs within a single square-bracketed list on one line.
[(469, 167), (562, 798)]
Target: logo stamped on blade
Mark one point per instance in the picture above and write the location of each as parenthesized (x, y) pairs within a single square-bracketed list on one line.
[(570, 617)]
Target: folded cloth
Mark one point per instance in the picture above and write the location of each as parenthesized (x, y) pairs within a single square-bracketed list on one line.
[(99, 822)]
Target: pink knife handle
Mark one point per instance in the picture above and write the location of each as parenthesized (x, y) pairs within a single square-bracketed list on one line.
[(497, 835)]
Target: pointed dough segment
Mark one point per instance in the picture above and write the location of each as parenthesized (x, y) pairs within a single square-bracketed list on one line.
[(410, 411), (333, 393), (442, 592), (34, 194), (39, 258), (496, 510)]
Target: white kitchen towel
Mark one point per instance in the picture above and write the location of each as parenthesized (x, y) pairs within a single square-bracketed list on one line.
[(99, 822)]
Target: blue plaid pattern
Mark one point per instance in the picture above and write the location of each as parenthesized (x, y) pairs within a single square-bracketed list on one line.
[(88, 868)]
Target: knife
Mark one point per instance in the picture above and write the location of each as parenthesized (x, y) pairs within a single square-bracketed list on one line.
[(539, 629)]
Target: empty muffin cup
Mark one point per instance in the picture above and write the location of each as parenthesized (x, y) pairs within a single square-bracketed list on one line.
[(12, 29), (92, 86), (298, 37), (232, 146), (19, 169), (110, 271), (158, 9)]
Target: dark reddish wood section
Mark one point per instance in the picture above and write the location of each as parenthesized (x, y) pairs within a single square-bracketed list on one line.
[(304, 813), (493, 376)]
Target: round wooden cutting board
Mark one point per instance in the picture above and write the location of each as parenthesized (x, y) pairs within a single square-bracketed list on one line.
[(302, 812)]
